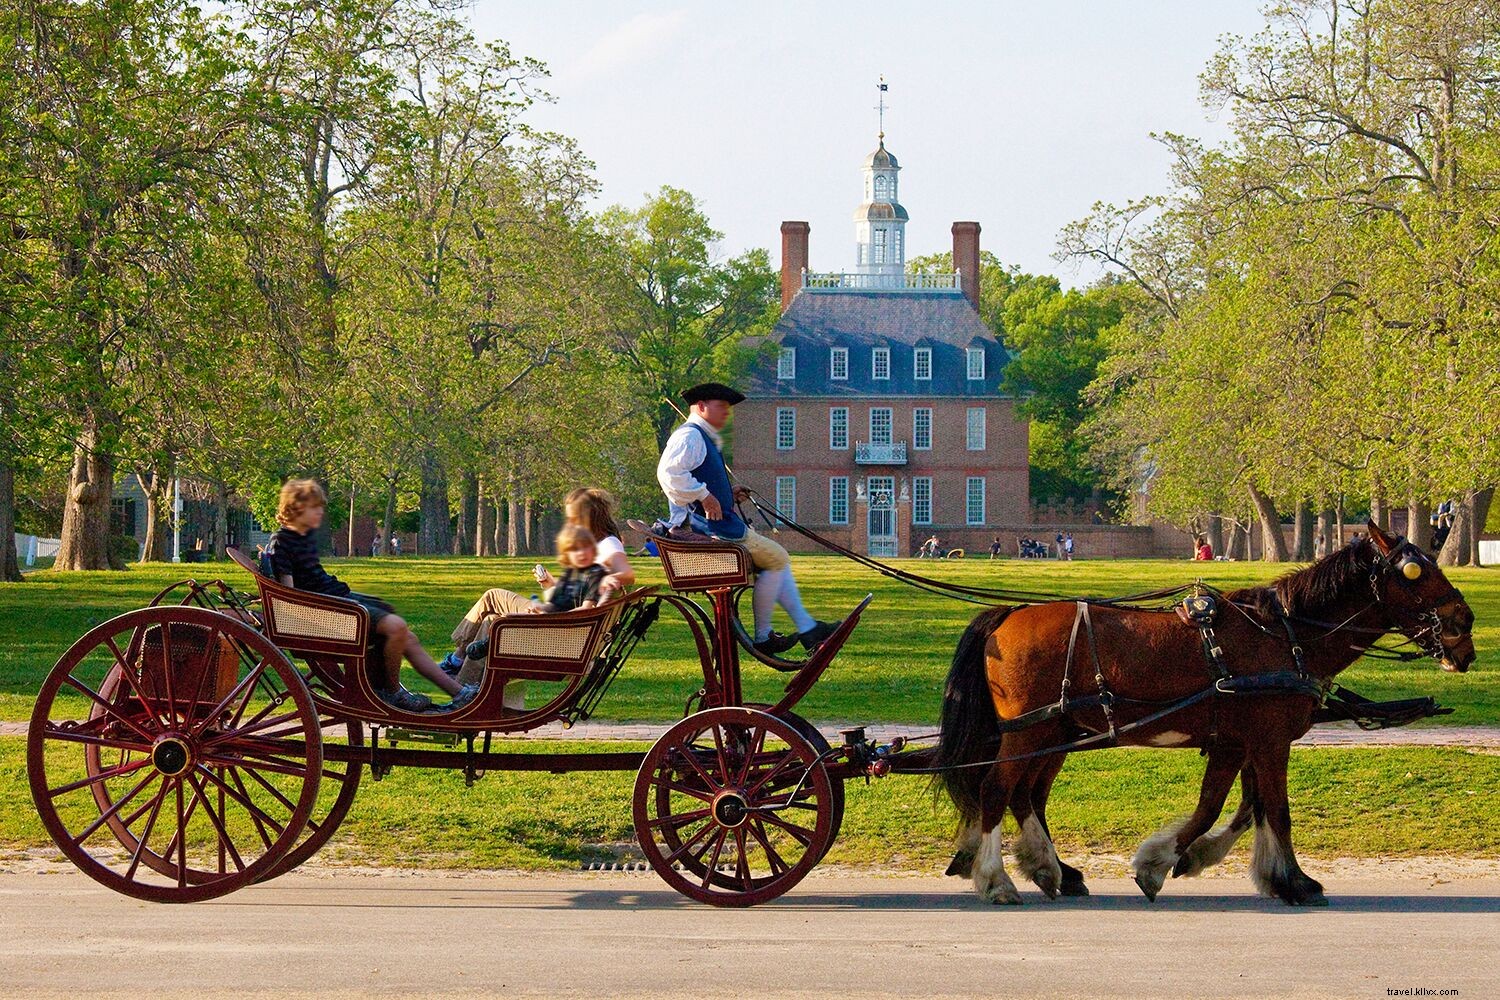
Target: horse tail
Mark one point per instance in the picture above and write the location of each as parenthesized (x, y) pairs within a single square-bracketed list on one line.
[(970, 730)]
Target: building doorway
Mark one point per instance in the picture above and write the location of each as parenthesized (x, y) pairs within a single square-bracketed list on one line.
[(882, 517)]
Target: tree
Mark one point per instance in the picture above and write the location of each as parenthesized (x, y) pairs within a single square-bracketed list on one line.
[(682, 315)]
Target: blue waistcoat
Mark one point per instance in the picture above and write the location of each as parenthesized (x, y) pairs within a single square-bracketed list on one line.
[(712, 473)]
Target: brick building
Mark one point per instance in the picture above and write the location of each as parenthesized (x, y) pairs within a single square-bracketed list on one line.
[(879, 420)]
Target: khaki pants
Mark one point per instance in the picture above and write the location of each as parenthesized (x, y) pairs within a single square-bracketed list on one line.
[(492, 605), (765, 553)]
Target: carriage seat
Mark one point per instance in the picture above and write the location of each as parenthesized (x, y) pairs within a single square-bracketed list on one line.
[(712, 565), (551, 647), (306, 623)]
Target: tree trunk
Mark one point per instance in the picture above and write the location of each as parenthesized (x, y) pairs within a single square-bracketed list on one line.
[(1419, 524), (390, 518), (1456, 549), (1272, 542), (1325, 531), (221, 520), (1481, 505), (1302, 532), (158, 514), (1215, 535), (513, 526), (468, 516), (532, 535), (482, 526), (1338, 521), (10, 565), (497, 543), (1380, 513), (85, 527), (436, 531)]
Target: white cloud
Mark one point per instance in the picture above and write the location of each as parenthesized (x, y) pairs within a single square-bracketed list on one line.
[(634, 41)]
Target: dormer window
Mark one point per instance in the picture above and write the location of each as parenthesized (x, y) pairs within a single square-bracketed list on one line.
[(838, 364), (976, 363), (880, 363), (786, 363), (921, 364)]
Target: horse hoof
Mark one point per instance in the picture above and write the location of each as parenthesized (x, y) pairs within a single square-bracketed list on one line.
[(1184, 866), (1047, 882), (962, 864), (1149, 886), (1002, 898), (1318, 900), (1073, 886)]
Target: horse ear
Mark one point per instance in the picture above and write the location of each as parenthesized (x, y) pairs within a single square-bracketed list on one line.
[(1382, 541)]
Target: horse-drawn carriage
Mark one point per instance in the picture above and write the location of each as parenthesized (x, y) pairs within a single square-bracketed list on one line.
[(215, 739)]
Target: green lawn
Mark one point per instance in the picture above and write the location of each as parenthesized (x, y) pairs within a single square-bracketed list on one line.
[(890, 671), (1368, 802)]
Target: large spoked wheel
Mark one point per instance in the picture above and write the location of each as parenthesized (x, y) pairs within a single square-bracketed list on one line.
[(734, 806), (174, 754), (338, 785)]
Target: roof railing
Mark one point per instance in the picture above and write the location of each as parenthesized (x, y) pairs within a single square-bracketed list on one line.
[(845, 281)]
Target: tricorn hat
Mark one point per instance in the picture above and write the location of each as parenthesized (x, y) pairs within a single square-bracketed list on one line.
[(712, 390)]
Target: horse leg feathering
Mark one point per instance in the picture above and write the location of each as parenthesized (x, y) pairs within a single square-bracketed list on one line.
[(1273, 865), (1213, 847), (1162, 851)]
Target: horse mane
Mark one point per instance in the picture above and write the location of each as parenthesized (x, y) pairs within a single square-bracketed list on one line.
[(1305, 592)]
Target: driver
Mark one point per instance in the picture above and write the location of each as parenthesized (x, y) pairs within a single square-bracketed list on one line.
[(696, 481)]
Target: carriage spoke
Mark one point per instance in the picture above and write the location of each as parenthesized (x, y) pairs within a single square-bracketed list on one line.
[(140, 844), (741, 863), (182, 868), (255, 762), (168, 671), (719, 750), (276, 792), (679, 820), (130, 678), (773, 857), (688, 844), (55, 732), (109, 709), (255, 811), (241, 690), (802, 834), (260, 827), (750, 754), (93, 779), (120, 803), (760, 783), (708, 871), (706, 796), (252, 728), (708, 782), (225, 841), (186, 819)]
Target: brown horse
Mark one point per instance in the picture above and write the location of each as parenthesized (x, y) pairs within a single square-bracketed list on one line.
[(1278, 647)]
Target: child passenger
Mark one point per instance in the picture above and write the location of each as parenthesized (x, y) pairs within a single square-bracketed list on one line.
[(293, 551)]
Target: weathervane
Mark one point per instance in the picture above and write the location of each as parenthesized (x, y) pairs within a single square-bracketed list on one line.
[(881, 106)]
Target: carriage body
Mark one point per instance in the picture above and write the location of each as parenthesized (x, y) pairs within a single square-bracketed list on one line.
[(225, 738)]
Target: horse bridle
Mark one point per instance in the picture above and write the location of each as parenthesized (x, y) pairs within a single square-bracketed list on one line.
[(1424, 626)]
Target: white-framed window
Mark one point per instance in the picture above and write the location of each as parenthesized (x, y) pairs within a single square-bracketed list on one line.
[(838, 500), (786, 497), (786, 428), (974, 507), (921, 500), (975, 435), (860, 253), (838, 364), (921, 364), (879, 247), (880, 425), (895, 235), (880, 186), (921, 428), (838, 428), (786, 363), (976, 362), (880, 363)]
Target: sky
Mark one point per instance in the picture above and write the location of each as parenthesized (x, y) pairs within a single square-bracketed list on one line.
[(1018, 115)]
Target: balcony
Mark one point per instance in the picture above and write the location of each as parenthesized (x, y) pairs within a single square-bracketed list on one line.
[(843, 281), (892, 453)]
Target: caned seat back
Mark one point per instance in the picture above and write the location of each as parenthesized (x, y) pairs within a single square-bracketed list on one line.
[(550, 647), (703, 565), (302, 622)]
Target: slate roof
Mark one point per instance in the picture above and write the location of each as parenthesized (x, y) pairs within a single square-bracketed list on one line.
[(899, 320)]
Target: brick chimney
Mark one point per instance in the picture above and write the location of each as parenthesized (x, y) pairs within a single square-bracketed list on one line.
[(965, 258), (793, 259)]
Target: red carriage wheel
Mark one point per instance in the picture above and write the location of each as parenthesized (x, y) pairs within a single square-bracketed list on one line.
[(734, 806), (174, 754), (338, 785)]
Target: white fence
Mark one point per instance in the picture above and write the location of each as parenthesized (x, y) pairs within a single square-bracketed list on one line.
[(30, 548), (1489, 552)]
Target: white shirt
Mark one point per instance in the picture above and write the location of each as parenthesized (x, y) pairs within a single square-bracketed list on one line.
[(607, 548), (685, 451)]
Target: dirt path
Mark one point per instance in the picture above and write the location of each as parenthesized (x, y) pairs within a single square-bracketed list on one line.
[(837, 934)]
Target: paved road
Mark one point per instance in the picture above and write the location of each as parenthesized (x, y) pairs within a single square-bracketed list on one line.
[(388, 934)]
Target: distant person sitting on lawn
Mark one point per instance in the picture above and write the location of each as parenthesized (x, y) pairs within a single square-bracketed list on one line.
[(294, 561)]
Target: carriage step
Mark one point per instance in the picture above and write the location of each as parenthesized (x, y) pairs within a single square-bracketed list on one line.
[(448, 739)]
